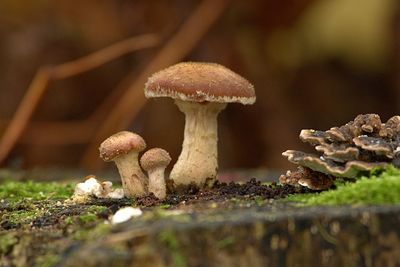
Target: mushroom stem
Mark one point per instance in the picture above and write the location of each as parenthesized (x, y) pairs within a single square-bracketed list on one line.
[(157, 184), (134, 181), (199, 157)]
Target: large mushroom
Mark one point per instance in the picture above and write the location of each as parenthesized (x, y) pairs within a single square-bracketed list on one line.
[(201, 91), (123, 148)]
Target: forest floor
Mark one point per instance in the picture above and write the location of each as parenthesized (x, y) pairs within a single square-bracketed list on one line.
[(41, 226)]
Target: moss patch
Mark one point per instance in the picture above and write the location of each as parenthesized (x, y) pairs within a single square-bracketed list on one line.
[(169, 239), (17, 191), (380, 187)]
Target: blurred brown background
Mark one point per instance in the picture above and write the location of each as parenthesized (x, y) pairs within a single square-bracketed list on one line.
[(314, 64)]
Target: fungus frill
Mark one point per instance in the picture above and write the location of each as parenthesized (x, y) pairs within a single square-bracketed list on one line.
[(346, 151)]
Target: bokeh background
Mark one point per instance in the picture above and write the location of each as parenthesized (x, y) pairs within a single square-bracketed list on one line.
[(314, 64)]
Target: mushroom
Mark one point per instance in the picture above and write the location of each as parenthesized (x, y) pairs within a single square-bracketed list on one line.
[(123, 148), (201, 91), (154, 161)]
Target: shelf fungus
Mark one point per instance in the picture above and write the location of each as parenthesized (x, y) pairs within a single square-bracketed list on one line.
[(346, 151)]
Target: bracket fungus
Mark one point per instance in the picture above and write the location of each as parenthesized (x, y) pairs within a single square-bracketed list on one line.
[(123, 148), (308, 178), (348, 150), (201, 91), (154, 161)]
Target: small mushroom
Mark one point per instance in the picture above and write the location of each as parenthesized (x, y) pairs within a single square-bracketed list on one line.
[(201, 91), (154, 161), (123, 148)]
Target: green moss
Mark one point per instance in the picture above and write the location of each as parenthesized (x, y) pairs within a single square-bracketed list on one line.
[(7, 241), (226, 242), (164, 206), (87, 218), (17, 191), (68, 221), (381, 187), (96, 209), (46, 260), (90, 215), (22, 216), (96, 232), (259, 200), (169, 239)]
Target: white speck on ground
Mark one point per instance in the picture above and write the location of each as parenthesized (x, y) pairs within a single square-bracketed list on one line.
[(124, 214)]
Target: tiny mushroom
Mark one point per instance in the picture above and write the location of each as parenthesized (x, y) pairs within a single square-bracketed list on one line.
[(201, 91), (154, 161), (123, 148)]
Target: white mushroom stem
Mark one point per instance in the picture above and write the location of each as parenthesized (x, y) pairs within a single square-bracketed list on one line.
[(157, 182), (134, 181), (199, 157)]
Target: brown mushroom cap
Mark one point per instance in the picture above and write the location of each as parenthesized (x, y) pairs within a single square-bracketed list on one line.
[(155, 157), (119, 144), (200, 82)]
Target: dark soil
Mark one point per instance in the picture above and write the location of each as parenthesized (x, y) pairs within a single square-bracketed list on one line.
[(223, 191)]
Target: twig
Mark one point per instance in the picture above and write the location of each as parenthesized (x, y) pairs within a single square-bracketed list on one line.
[(103, 56), (24, 111), (39, 84), (193, 29), (55, 133)]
